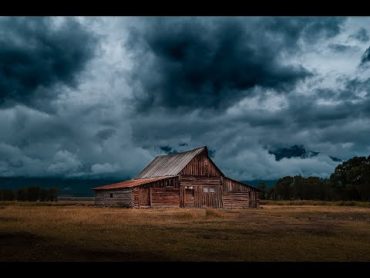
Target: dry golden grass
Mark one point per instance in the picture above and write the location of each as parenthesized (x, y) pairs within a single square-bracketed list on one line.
[(316, 203), (30, 232)]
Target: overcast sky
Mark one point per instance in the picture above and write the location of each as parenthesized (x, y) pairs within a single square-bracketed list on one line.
[(100, 97)]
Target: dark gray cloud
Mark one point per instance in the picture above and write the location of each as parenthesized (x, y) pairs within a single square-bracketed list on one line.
[(362, 35), (335, 159), (35, 54), (340, 47), (293, 151), (105, 134), (365, 57), (166, 149), (308, 29), (213, 63)]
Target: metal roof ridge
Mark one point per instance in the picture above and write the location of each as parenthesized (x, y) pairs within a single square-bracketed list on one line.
[(192, 150)]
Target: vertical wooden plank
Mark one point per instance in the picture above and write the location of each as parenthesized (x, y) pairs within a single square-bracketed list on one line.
[(137, 192), (199, 197), (182, 196), (150, 196)]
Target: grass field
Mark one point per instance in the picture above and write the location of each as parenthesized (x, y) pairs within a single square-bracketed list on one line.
[(68, 232)]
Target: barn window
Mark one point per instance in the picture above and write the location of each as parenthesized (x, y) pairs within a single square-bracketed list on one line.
[(211, 189), (205, 189), (111, 195), (169, 183)]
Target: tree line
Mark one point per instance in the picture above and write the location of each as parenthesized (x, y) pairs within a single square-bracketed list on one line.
[(350, 181), (29, 194)]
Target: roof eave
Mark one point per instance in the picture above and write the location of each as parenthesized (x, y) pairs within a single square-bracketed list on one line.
[(244, 184), (106, 187)]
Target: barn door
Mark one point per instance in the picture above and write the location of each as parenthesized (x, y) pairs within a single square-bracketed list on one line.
[(144, 197), (189, 196), (210, 197)]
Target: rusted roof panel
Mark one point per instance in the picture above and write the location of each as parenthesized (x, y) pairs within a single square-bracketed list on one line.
[(169, 165), (130, 183)]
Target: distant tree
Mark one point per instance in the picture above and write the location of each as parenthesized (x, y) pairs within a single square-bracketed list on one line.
[(301, 188), (284, 188), (312, 187), (351, 179), (272, 194), (264, 190), (7, 195), (52, 194), (33, 194), (327, 191), (22, 194), (43, 195), (298, 188)]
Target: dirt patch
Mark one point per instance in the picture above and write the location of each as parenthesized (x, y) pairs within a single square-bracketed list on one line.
[(25, 246), (214, 236), (20, 240), (8, 219), (115, 255), (334, 216)]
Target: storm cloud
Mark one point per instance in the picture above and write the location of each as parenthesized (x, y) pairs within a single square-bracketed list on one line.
[(361, 35), (39, 52), (213, 63), (365, 57), (100, 97)]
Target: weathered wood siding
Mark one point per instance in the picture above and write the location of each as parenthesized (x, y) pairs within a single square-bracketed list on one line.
[(165, 197), (166, 193), (254, 201), (201, 165), (235, 200), (237, 195), (194, 187), (141, 197), (119, 197), (163, 193)]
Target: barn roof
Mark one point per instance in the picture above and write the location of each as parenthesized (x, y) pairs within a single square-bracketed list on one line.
[(169, 165), (244, 184), (130, 183)]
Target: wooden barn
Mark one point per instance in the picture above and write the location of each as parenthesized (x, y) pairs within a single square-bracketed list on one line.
[(187, 179)]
